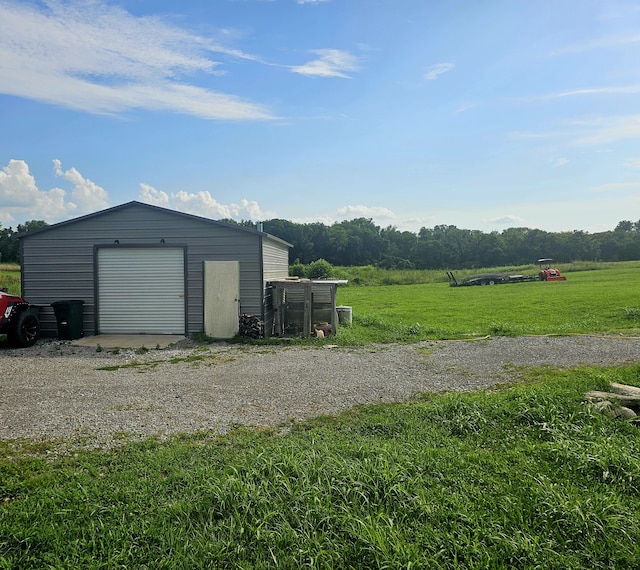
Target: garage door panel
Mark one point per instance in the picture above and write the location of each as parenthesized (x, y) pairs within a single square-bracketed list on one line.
[(141, 290)]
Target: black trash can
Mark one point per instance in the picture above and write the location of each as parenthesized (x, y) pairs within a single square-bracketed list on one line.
[(69, 316)]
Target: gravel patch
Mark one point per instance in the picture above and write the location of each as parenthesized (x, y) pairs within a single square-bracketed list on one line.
[(56, 390)]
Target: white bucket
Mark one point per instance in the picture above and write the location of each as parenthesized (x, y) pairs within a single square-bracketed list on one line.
[(345, 315)]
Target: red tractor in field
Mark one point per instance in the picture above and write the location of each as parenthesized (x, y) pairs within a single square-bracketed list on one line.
[(18, 321), (548, 273)]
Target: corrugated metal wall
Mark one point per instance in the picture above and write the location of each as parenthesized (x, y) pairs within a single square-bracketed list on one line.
[(141, 290), (276, 266), (59, 263)]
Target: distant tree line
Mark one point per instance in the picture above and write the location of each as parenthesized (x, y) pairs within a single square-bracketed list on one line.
[(9, 246), (361, 242)]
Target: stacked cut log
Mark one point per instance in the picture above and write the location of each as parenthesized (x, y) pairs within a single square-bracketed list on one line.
[(250, 326), (622, 401)]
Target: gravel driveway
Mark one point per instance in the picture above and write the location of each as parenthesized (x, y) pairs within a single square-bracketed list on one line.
[(56, 390)]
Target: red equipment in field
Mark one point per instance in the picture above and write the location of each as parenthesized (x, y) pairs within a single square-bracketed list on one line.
[(18, 321), (548, 273)]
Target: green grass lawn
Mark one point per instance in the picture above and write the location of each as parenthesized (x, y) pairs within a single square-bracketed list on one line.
[(523, 477), (596, 301), (10, 278)]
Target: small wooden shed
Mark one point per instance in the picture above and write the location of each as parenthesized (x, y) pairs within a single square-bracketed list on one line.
[(140, 269), (302, 306)]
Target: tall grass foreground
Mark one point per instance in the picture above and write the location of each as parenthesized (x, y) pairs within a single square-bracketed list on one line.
[(528, 476)]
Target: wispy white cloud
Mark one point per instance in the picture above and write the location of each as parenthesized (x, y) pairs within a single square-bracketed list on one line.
[(607, 129), (311, 1), (22, 200), (98, 58), (361, 211), (590, 132), (601, 43), (509, 220), (437, 70), (379, 214), (588, 91), (203, 204), (414, 224), (559, 162), (330, 63), (466, 107), (632, 163), (614, 187), (531, 135), (326, 219)]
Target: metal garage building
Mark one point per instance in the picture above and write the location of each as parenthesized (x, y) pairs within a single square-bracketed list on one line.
[(142, 269)]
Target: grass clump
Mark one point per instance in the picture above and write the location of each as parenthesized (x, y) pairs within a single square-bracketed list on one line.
[(528, 476), (632, 313)]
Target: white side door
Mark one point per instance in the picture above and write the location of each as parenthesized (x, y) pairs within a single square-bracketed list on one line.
[(221, 298)]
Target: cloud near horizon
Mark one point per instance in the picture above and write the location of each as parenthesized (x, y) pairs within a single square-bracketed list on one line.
[(203, 204), (361, 211), (22, 200), (506, 220)]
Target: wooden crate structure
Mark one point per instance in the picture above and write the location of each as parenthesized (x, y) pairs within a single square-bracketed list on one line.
[(302, 306)]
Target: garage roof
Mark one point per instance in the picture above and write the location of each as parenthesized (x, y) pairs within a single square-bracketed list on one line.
[(152, 207)]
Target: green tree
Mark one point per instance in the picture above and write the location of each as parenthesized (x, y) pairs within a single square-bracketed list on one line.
[(9, 251), (624, 226), (319, 269), (297, 269), (9, 246)]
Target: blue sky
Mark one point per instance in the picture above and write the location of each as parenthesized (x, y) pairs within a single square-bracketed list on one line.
[(415, 113)]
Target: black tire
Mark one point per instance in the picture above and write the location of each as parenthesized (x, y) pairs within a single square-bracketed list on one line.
[(25, 331)]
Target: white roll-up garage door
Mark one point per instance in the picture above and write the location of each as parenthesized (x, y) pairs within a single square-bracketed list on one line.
[(141, 290)]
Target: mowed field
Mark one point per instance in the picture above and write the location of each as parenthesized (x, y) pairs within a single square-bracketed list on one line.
[(603, 300)]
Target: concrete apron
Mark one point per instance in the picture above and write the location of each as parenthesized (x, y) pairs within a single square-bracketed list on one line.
[(149, 341)]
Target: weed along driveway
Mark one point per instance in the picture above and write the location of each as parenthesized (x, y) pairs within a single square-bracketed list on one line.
[(97, 397)]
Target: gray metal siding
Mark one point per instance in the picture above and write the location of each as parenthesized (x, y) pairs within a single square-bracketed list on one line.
[(275, 261), (58, 263), (237, 248), (54, 271)]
